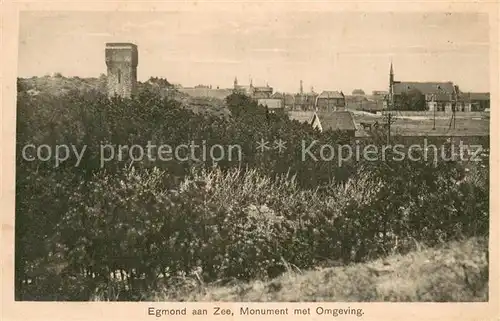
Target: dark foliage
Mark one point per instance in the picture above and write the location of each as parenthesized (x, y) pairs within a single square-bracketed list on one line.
[(121, 229), (413, 100)]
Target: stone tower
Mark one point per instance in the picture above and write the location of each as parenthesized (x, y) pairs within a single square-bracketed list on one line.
[(121, 61)]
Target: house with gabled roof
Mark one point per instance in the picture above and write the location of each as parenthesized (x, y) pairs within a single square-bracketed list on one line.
[(479, 101), (288, 100), (330, 101), (469, 101), (272, 104), (342, 121)]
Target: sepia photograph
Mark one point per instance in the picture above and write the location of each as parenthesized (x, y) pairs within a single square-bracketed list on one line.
[(260, 156)]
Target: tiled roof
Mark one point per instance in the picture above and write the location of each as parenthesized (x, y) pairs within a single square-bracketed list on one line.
[(330, 94), (263, 88), (337, 120), (464, 99), (307, 94), (479, 96), (424, 87)]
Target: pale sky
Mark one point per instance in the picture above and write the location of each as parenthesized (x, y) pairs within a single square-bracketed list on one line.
[(327, 50)]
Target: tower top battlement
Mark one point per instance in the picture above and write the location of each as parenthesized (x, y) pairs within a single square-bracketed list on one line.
[(117, 52), (120, 44)]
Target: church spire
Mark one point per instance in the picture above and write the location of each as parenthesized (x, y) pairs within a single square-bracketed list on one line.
[(391, 76)]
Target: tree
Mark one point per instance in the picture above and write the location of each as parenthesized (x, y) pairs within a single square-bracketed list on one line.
[(20, 85), (239, 104), (358, 92), (413, 100)]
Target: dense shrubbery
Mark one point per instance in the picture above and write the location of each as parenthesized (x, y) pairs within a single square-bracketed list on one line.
[(81, 229)]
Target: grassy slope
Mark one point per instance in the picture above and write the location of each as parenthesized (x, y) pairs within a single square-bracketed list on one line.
[(61, 85), (456, 272)]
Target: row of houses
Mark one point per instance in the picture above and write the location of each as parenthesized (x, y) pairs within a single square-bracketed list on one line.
[(325, 101), (439, 96)]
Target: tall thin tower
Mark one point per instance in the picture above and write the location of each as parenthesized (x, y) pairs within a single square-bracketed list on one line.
[(391, 87)]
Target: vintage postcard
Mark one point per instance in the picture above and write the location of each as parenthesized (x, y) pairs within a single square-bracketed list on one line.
[(249, 160)]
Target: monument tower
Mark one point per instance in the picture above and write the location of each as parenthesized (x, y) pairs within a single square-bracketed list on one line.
[(121, 61)]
